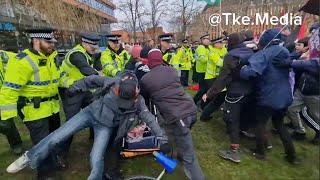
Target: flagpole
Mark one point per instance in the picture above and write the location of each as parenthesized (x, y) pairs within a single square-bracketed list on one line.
[(221, 18)]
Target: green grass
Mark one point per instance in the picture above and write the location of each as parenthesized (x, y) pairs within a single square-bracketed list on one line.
[(208, 139)]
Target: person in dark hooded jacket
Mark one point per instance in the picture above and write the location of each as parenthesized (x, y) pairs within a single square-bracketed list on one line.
[(273, 91), (238, 91), (119, 107), (177, 108), (307, 97)]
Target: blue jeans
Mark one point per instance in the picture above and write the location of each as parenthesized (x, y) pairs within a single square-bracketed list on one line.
[(82, 120)]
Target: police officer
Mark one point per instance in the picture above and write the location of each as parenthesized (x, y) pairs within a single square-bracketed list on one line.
[(78, 64), (8, 127), (201, 66), (115, 57), (195, 45), (185, 56), (215, 62), (168, 54), (33, 78)]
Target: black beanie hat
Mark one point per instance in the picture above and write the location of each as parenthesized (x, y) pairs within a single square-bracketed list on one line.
[(144, 52), (235, 39), (248, 35), (127, 88)]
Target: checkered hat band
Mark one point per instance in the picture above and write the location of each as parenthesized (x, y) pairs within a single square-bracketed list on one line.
[(166, 38), (89, 41), (216, 41), (113, 39), (205, 37), (41, 35)]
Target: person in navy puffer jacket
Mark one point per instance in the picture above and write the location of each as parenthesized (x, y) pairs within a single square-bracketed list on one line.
[(273, 91)]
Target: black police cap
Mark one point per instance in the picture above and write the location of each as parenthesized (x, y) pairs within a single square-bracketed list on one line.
[(166, 37), (42, 33), (113, 37), (217, 40), (184, 41), (205, 37)]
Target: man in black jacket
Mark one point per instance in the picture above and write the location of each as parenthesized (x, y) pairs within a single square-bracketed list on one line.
[(239, 91), (163, 86)]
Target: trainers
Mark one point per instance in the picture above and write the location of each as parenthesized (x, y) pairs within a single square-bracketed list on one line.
[(258, 155), (17, 150), (293, 160), (268, 144), (19, 164), (298, 136), (231, 154)]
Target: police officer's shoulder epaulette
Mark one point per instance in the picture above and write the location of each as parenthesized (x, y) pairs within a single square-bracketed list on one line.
[(21, 55)]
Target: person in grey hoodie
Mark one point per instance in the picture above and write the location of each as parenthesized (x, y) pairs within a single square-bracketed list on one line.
[(118, 107)]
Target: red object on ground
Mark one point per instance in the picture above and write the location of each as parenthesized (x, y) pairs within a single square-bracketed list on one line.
[(194, 87)]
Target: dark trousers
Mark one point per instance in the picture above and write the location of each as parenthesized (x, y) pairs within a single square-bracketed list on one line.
[(263, 114), (181, 132), (39, 129), (235, 106), (213, 106), (9, 129), (195, 78), (72, 106), (184, 77), (202, 88)]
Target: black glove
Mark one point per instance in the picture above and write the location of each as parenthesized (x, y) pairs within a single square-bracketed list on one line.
[(165, 148), (283, 63), (180, 65)]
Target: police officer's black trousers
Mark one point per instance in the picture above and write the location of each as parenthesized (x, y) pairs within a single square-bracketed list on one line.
[(72, 106), (213, 106), (202, 88), (234, 111), (9, 129), (195, 78), (39, 129), (184, 77), (263, 114)]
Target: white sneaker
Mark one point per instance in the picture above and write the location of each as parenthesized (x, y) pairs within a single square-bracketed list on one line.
[(19, 164)]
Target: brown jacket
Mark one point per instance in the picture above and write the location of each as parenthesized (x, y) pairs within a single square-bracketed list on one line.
[(163, 86)]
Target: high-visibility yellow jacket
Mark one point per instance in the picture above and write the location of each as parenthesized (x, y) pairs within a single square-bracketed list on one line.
[(1, 73), (215, 62), (72, 71), (112, 62), (185, 57), (170, 58), (202, 58), (31, 75), (4, 58)]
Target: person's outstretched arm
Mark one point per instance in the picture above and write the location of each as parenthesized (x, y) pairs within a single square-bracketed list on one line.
[(91, 82)]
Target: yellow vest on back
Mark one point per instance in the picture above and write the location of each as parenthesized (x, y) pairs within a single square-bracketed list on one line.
[(215, 62)]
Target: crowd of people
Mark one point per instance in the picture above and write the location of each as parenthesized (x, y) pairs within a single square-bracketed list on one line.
[(109, 91)]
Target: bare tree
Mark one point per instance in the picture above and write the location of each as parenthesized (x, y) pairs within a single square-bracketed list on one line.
[(143, 25), (132, 9), (187, 10), (158, 10)]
